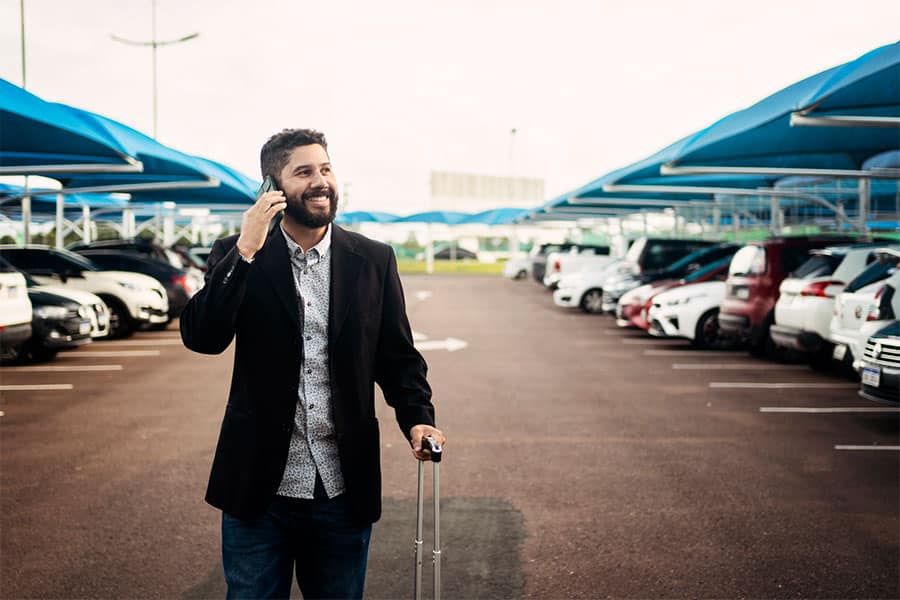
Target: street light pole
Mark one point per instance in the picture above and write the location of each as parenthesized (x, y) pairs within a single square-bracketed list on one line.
[(154, 44)]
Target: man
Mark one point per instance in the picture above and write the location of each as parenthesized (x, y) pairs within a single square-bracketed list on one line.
[(318, 316)]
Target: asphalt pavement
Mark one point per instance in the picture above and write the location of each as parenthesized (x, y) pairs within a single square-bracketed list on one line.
[(583, 461)]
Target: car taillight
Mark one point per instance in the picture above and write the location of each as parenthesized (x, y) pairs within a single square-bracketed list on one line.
[(557, 265), (819, 288), (183, 281)]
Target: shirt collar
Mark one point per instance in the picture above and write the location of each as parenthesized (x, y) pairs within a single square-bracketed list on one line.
[(321, 248)]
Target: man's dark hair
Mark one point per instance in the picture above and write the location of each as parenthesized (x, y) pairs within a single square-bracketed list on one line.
[(276, 151)]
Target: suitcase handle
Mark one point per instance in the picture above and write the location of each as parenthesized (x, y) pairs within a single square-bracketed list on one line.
[(433, 446)]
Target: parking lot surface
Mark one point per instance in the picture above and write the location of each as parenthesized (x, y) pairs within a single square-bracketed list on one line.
[(583, 461)]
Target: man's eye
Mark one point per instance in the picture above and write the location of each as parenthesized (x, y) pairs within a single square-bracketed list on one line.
[(326, 170)]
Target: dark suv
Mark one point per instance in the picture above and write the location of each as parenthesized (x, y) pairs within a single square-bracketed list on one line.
[(754, 277)]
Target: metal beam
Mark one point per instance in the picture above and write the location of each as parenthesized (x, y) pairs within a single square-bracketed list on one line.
[(669, 169), (800, 118), (636, 202), (131, 166)]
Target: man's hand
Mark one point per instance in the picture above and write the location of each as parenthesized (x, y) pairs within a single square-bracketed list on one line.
[(255, 224), (417, 433)]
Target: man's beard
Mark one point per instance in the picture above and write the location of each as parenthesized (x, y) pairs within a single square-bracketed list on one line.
[(298, 212)]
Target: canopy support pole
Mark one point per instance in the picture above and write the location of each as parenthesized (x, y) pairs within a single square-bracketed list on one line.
[(60, 233), (86, 224), (865, 189), (429, 250), (26, 214)]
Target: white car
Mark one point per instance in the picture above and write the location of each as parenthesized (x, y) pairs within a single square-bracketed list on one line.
[(517, 268), (95, 307), (867, 304), (560, 264), (690, 311), (135, 301), (584, 289), (805, 305), (15, 308)]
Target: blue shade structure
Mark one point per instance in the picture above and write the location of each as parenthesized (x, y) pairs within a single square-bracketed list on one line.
[(442, 217), (496, 216), (37, 137), (365, 216)]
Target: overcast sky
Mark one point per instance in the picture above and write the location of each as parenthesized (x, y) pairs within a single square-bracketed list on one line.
[(402, 88)]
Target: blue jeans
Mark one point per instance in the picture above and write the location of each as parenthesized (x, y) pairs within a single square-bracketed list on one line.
[(318, 537)]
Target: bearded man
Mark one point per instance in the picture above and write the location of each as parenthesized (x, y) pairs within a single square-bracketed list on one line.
[(318, 317)]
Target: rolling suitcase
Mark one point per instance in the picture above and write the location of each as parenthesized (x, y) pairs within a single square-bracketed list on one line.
[(431, 444)]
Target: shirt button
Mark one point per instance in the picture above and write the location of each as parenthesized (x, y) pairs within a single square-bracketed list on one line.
[(309, 303), (308, 338), (311, 406), (309, 371)]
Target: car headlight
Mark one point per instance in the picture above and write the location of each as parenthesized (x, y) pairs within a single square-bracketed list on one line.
[(51, 312), (84, 312), (129, 286)]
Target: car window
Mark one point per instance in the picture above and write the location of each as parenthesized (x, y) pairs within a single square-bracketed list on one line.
[(792, 257), (62, 260), (818, 265), (884, 267), (704, 271), (749, 260), (5, 267)]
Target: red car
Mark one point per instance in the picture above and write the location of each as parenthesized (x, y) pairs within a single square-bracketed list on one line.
[(755, 274), (634, 311)]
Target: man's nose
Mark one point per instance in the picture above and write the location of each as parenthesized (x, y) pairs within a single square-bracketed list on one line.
[(319, 181)]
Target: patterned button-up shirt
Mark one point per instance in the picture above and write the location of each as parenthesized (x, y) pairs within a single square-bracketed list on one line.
[(313, 442)]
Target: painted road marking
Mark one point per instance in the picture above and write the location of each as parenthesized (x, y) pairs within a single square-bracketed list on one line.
[(850, 447), (829, 409), (694, 353), (110, 354), (423, 295), (648, 342), (419, 336), (2, 414), (65, 368), (744, 385), (36, 387), (153, 342), (449, 344), (737, 366)]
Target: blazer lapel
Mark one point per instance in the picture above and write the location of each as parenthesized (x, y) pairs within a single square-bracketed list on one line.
[(346, 265), (273, 260)]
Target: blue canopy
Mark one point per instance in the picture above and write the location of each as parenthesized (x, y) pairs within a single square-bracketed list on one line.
[(434, 216), (363, 216), (761, 135), (36, 132), (496, 216)]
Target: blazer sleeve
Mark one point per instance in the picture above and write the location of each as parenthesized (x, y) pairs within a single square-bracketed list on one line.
[(400, 370), (209, 319)]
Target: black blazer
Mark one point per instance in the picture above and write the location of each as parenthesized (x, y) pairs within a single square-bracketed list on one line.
[(369, 341)]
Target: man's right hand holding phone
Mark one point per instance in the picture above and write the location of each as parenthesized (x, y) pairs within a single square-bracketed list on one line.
[(255, 224)]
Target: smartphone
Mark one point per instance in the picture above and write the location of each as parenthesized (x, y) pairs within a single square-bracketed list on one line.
[(268, 185)]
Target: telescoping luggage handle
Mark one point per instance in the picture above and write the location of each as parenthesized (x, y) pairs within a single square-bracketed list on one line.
[(432, 445)]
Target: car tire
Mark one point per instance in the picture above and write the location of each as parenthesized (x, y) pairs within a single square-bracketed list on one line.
[(521, 275), (120, 323), (31, 351), (592, 301), (707, 334), (764, 346)]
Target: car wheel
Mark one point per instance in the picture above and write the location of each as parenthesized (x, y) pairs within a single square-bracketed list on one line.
[(521, 274), (120, 325), (707, 334), (764, 346), (592, 301)]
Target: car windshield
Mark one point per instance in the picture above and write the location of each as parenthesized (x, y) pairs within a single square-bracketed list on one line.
[(884, 267), (83, 263), (818, 265), (704, 271), (683, 263), (749, 260)]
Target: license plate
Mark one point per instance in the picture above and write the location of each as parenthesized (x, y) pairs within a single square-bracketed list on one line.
[(871, 376), (839, 351), (84, 328)]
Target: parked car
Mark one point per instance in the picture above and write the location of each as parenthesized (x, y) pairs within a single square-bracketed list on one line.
[(559, 264), (135, 301), (805, 306), (57, 323), (755, 274), (179, 283), (867, 304), (634, 307), (584, 289), (139, 245), (880, 366), (443, 252), (539, 258), (201, 255), (15, 308), (691, 312), (683, 256), (98, 312), (517, 268)]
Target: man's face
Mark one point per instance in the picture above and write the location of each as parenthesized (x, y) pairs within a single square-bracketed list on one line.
[(310, 187)]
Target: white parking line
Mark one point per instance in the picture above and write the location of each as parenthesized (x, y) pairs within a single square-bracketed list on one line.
[(110, 354), (59, 369), (36, 387), (694, 353), (737, 367), (850, 447), (742, 385), (2, 414), (829, 409), (652, 341), (153, 342)]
